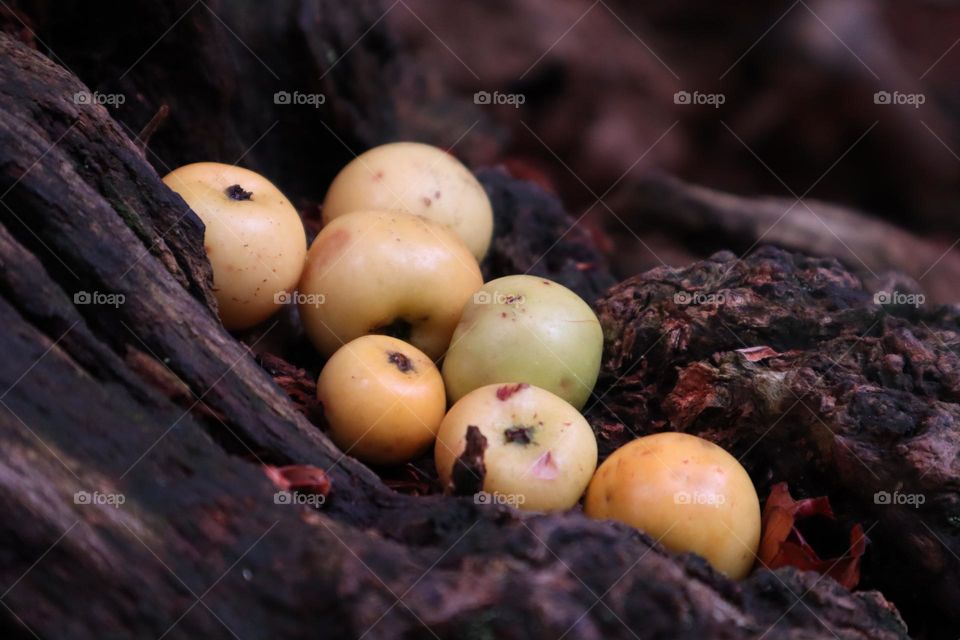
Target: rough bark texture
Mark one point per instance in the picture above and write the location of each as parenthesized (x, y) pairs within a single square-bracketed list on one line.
[(153, 400), (789, 363)]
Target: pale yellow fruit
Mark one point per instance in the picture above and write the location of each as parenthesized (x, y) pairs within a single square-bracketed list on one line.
[(382, 398), (254, 238), (390, 273), (540, 454), (686, 492), (526, 329), (410, 177)]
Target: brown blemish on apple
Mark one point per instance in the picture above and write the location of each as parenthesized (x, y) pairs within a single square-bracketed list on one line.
[(504, 392), (427, 201), (378, 176), (236, 192), (545, 468), (400, 361), (328, 246)]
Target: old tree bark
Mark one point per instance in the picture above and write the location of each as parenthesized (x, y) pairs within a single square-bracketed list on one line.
[(152, 399)]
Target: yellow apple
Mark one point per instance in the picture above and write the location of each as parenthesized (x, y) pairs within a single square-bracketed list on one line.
[(254, 238), (684, 491), (390, 273), (540, 453), (410, 177), (382, 398)]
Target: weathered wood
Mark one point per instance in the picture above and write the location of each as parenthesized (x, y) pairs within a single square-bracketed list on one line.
[(845, 398), (153, 400)]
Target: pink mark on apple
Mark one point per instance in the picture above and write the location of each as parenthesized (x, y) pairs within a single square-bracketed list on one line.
[(507, 390), (545, 468)]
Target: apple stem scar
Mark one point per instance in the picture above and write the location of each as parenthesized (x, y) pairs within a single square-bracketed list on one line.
[(519, 434), (236, 192), (400, 361)]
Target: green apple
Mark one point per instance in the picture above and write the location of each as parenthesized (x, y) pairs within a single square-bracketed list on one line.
[(525, 329)]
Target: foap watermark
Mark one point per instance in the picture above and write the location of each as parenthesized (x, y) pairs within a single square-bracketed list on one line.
[(512, 99), (95, 97), (699, 498), (96, 498), (711, 99), (496, 297), (901, 499), (99, 298), (897, 98), (699, 298), (294, 498), (899, 298), (509, 499), (298, 298), (297, 98)]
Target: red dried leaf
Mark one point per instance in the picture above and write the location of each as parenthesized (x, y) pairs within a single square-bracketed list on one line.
[(299, 477), (755, 354), (782, 544)]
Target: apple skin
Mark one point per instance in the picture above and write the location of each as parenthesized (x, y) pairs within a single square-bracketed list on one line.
[(382, 398), (410, 177), (525, 329), (686, 492), (381, 272), (254, 238), (545, 467)]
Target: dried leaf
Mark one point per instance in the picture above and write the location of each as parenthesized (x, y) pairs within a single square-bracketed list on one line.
[(782, 544)]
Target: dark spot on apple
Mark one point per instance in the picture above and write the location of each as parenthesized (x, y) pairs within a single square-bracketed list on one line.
[(399, 329), (507, 390), (436, 195), (400, 361), (236, 192), (378, 176), (427, 201), (546, 282), (518, 434), (503, 314)]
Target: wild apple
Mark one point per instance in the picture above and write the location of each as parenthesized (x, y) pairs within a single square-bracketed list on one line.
[(540, 451), (390, 273), (254, 238), (382, 398), (525, 329), (415, 178), (686, 492)]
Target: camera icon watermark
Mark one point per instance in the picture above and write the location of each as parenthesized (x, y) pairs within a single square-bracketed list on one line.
[(697, 98), (699, 298), (98, 298), (86, 498), (95, 97), (899, 298), (293, 498), (914, 500), (496, 297), (496, 98), (897, 98), (297, 98), (699, 498), (508, 499), (298, 298)]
